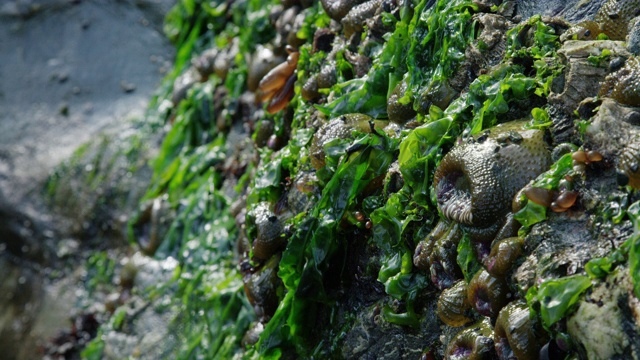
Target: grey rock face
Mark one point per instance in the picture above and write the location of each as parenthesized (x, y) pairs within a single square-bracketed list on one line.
[(571, 10), (633, 39), (582, 78)]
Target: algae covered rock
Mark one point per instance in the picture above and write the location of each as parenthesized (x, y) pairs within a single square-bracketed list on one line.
[(341, 221)]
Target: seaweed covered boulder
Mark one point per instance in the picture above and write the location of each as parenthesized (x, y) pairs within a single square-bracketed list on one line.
[(327, 183)]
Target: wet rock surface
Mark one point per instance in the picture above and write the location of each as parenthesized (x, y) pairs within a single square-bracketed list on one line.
[(68, 70), (571, 10), (59, 96)]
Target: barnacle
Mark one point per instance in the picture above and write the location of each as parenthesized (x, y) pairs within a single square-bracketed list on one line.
[(516, 336), (612, 20), (473, 343), (624, 84), (453, 306), (487, 293), (476, 181)]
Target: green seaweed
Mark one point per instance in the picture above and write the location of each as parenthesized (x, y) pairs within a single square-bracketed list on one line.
[(467, 258), (425, 49), (555, 297), (533, 213), (427, 44), (312, 248)]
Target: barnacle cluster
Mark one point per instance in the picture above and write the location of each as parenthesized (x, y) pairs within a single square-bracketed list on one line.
[(623, 85), (613, 20)]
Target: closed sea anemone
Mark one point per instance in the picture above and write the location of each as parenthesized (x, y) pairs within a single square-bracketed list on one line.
[(453, 306), (472, 343), (488, 294), (477, 180), (516, 335)]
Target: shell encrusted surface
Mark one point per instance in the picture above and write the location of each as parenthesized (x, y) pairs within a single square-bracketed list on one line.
[(624, 85), (614, 17)]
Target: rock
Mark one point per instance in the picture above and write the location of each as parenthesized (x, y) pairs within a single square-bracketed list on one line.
[(372, 337), (145, 332), (633, 39), (46, 69), (582, 77), (603, 325), (571, 10), (608, 132)]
